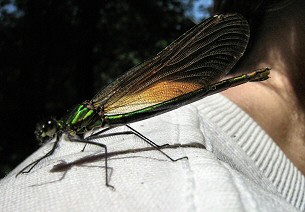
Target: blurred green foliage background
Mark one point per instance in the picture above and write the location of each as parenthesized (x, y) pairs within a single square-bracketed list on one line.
[(55, 54)]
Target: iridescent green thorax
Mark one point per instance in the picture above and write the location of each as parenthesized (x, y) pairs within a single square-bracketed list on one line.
[(83, 119), (82, 114)]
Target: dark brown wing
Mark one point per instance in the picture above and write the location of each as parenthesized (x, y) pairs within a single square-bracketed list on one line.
[(200, 57)]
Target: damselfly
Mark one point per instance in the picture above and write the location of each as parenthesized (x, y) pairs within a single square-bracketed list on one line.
[(187, 70)]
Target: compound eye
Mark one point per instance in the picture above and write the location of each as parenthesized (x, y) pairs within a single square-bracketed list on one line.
[(49, 125), (51, 128), (46, 131)]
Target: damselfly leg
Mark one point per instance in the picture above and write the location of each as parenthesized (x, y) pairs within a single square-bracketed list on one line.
[(138, 134), (86, 141), (29, 167), (132, 131), (100, 134)]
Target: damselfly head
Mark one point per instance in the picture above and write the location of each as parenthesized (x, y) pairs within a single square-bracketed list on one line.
[(46, 130)]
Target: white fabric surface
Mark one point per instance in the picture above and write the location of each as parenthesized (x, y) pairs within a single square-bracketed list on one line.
[(241, 169)]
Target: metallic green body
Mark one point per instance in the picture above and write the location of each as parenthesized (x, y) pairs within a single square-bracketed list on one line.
[(81, 120)]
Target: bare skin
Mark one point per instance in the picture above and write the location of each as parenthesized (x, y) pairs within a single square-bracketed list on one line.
[(278, 104)]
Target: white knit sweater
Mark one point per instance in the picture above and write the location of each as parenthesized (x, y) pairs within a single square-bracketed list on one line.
[(240, 169)]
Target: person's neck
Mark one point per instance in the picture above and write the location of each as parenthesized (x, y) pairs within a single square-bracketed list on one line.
[(278, 104)]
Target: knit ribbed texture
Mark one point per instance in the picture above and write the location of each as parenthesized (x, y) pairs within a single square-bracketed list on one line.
[(241, 168), (267, 156)]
